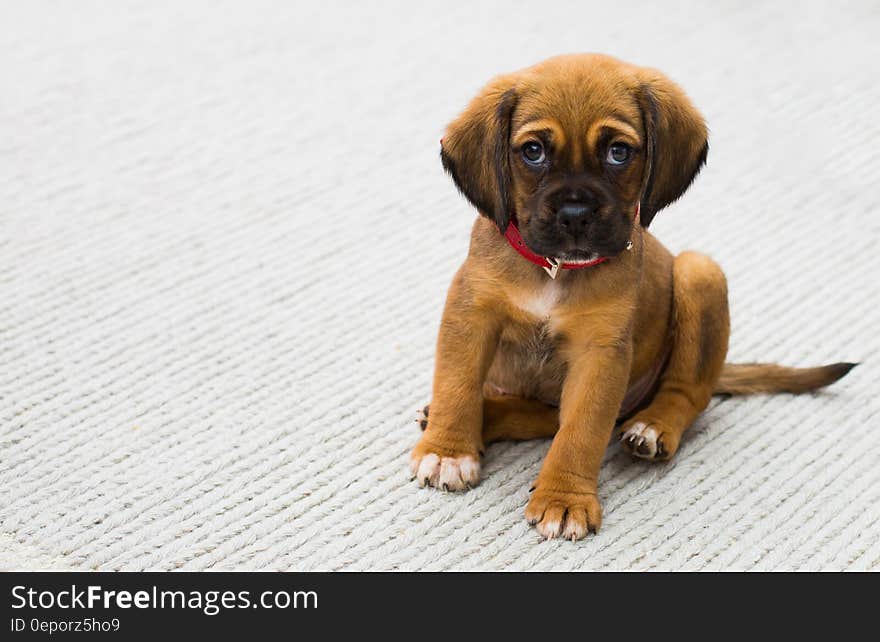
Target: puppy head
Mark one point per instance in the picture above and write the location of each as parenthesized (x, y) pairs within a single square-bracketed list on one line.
[(570, 147)]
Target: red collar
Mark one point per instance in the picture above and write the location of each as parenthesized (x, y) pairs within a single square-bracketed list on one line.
[(550, 265)]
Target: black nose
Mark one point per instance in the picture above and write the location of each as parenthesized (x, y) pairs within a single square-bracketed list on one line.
[(574, 217)]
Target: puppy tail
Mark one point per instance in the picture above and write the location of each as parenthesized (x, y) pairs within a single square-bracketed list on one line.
[(753, 378)]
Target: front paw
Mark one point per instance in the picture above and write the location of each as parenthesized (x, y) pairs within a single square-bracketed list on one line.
[(570, 515), (443, 468)]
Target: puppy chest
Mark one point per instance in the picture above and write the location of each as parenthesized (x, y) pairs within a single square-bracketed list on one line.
[(533, 335), (539, 303), (527, 363)]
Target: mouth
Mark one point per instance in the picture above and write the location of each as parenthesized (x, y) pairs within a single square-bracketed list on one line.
[(546, 241), (578, 256)]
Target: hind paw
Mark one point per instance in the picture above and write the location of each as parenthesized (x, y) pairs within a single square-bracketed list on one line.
[(422, 417), (649, 439)]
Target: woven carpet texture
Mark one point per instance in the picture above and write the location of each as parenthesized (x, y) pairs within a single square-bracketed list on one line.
[(225, 242)]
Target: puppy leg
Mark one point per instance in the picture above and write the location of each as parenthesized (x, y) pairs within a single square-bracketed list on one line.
[(448, 454), (518, 419), (511, 418), (701, 331), (564, 502)]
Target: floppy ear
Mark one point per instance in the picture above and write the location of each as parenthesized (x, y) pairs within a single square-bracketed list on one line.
[(475, 150), (677, 142)]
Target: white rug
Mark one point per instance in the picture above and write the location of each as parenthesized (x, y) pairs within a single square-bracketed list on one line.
[(225, 240)]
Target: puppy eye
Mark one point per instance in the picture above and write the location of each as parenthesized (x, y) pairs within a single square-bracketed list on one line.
[(533, 153), (618, 154)]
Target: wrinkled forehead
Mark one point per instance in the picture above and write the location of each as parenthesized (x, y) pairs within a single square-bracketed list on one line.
[(577, 111)]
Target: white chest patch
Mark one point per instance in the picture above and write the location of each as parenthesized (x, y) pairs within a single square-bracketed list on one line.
[(542, 302)]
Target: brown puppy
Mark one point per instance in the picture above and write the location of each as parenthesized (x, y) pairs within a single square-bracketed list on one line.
[(578, 153)]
